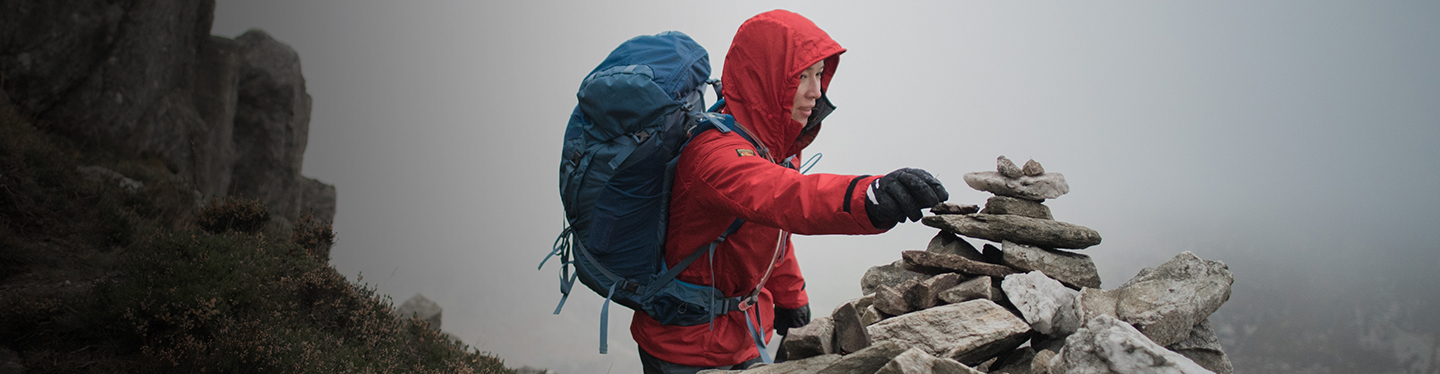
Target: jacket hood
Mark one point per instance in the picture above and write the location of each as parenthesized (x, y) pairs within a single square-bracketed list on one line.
[(762, 72)]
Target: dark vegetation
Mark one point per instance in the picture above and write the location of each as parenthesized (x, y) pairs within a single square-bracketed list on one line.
[(95, 278)]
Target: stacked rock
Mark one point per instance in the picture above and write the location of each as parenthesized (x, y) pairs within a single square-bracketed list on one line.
[(1031, 305)]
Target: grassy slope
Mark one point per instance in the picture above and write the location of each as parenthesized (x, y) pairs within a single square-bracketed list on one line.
[(97, 279)]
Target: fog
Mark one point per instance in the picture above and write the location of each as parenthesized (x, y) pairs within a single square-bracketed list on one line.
[(1296, 141)]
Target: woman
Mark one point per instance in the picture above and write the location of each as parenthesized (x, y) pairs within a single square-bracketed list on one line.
[(776, 74)]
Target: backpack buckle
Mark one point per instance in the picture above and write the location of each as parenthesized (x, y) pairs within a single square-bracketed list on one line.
[(748, 302)]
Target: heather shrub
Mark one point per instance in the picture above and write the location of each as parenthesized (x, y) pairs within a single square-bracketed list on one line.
[(315, 237), (233, 214)]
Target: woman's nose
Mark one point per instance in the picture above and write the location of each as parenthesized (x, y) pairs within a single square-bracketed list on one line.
[(812, 89)]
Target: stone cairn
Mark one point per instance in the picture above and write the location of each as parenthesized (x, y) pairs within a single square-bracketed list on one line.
[(1031, 306)]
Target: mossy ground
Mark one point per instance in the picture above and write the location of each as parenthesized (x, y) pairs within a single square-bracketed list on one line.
[(94, 278)]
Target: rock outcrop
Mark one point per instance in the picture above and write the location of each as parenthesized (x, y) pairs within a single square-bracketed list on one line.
[(421, 308), (229, 117), (1108, 345), (953, 309)]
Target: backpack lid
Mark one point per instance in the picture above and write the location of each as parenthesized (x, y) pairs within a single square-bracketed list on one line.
[(640, 82)]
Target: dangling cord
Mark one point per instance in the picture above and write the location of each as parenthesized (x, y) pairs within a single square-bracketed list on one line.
[(561, 248), (805, 168)]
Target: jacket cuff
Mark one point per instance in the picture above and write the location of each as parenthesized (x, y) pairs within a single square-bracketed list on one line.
[(857, 199)]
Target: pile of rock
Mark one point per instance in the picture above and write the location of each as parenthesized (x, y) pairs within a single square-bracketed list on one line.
[(1029, 306)]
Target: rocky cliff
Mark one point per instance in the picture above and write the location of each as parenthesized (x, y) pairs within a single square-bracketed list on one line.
[(144, 78)]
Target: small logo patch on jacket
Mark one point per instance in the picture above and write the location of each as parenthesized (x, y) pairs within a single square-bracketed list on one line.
[(744, 152)]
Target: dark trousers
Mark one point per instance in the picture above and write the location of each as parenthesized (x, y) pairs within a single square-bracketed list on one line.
[(655, 365)]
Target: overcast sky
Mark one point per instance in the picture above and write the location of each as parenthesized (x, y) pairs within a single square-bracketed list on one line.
[(1295, 141)]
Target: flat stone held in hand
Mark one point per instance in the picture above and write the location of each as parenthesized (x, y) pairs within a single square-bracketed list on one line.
[(953, 208), (1018, 229), (1036, 188)]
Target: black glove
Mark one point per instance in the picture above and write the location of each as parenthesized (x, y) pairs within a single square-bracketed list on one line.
[(902, 194), (785, 319)]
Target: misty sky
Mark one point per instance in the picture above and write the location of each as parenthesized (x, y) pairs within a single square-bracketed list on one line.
[(1296, 141)]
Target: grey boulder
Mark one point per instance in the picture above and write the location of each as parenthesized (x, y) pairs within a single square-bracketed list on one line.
[(813, 339), (871, 315), (970, 332), (1019, 229), (952, 263), (1007, 168), (1017, 207), (974, 288), (926, 294), (867, 360), (1203, 347), (891, 301), (890, 275), (947, 243), (1032, 168), (917, 361), (1168, 301), (1036, 188), (809, 365), (1107, 345), (421, 308), (1048, 306), (1073, 269), (849, 335)]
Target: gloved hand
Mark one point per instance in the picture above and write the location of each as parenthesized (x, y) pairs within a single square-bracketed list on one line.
[(901, 195), (785, 319)]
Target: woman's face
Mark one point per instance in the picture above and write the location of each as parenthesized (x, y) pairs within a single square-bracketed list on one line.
[(807, 93)]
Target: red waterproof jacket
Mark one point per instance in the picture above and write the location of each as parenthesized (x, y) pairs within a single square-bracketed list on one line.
[(721, 177)]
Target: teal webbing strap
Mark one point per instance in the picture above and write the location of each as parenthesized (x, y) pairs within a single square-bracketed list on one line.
[(755, 333), (605, 319)]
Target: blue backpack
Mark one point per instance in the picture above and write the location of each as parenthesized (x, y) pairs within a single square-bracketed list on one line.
[(636, 112)]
